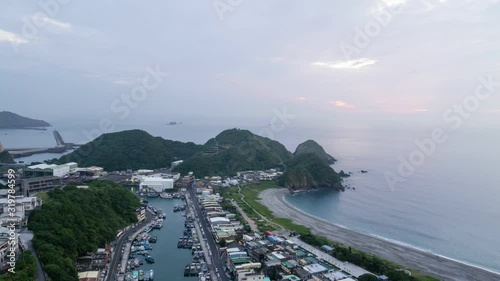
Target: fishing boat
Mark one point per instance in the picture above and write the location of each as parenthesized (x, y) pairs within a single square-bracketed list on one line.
[(166, 195), (152, 195), (149, 259)]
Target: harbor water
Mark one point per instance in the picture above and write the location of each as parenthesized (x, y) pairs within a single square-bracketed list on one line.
[(169, 260)]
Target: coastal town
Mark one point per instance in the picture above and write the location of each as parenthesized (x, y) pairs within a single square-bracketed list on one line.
[(225, 243)]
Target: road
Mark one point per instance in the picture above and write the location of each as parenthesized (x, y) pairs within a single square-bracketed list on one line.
[(252, 224), (27, 237), (218, 261), (116, 255)]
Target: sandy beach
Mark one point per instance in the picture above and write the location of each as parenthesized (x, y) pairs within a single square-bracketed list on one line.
[(427, 263)]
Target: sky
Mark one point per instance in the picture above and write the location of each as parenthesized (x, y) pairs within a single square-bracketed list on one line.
[(337, 61)]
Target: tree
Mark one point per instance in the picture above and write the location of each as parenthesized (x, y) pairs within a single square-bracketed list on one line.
[(367, 277), (76, 221), (222, 243)]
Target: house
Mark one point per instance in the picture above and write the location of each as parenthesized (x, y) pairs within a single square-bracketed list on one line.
[(315, 268), (23, 206), (88, 276), (327, 249)]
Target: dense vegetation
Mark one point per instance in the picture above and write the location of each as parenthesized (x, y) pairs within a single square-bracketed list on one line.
[(311, 146), (9, 120), (236, 150), (5, 157), (75, 221), (307, 170), (25, 269), (133, 149)]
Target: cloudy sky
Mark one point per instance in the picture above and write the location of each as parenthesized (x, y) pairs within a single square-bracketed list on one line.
[(391, 59)]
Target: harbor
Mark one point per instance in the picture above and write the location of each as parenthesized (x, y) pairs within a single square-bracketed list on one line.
[(155, 253)]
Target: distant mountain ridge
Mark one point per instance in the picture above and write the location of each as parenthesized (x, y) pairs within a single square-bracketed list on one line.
[(9, 120), (230, 151)]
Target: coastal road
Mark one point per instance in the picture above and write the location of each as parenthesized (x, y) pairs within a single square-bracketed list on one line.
[(122, 240), (218, 261), (425, 262)]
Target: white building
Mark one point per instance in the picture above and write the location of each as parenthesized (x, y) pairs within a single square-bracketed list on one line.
[(249, 275), (23, 206), (315, 268), (156, 184), (175, 164), (51, 169)]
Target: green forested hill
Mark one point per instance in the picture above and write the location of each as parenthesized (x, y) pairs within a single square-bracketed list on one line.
[(133, 149), (236, 150), (75, 221)]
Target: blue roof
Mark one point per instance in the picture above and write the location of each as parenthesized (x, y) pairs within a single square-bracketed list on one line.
[(328, 248)]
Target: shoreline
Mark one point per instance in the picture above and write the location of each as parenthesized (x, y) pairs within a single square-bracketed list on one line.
[(425, 262)]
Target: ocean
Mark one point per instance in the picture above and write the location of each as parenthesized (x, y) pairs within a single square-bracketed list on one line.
[(448, 206)]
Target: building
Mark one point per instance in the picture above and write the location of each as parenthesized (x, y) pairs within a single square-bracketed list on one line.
[(141, 214), (42, 170), (175, 164), (327, 249), (23, 206), (249, 275), (4, 246), (88, 276), (93, 171), (187, 181), (315, 268), (31, 186), (156, 184)]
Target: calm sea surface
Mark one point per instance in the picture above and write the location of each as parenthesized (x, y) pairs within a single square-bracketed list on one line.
[(450, 205)]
